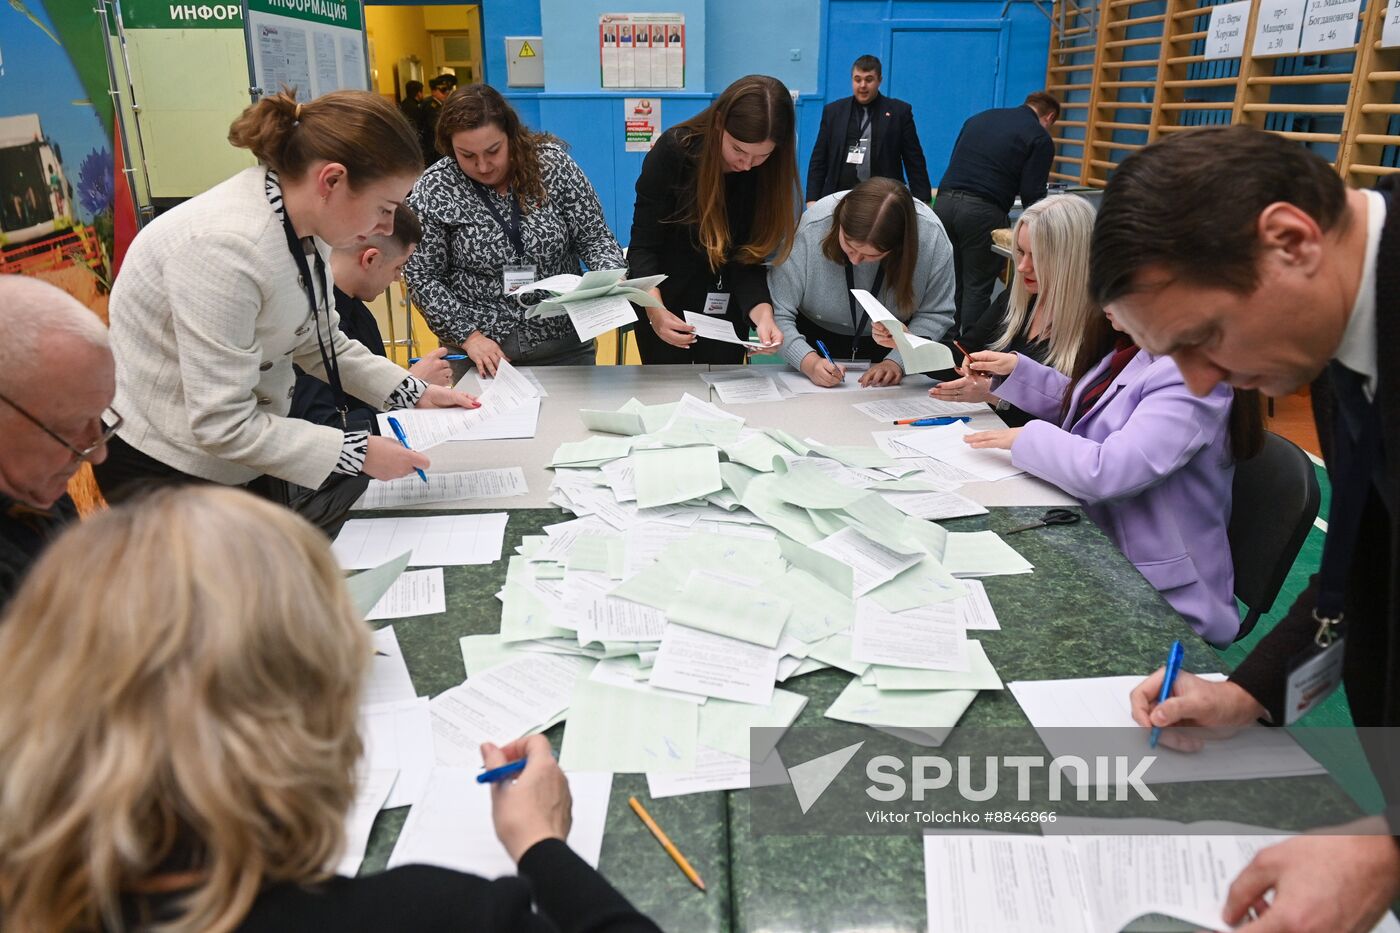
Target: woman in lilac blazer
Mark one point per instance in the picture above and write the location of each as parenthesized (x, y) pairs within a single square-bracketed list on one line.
[(1152, 463)]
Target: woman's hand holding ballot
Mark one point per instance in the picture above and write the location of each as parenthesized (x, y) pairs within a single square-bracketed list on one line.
[(977, 371)]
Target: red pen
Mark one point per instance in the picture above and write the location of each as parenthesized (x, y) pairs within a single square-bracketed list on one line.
[(968, 357)]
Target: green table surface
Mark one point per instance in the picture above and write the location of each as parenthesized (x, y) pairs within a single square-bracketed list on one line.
[(1084, 612)]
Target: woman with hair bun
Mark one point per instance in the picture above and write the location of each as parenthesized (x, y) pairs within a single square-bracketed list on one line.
[(875, 237), (180, 748), (220, 296)]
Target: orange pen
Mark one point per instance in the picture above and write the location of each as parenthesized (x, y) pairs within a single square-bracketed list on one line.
[(666, 843)]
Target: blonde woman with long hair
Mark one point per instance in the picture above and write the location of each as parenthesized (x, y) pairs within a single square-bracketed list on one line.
[(178, 740), (1047, 313)]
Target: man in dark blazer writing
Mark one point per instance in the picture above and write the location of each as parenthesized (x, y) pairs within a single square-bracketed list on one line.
[(864, 136), (1270, 272)]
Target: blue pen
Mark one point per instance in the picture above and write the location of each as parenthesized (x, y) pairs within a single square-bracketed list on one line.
[(450, 356), (403, 439), (931, 422), (826, 353), (1174, 660), (501, 773)]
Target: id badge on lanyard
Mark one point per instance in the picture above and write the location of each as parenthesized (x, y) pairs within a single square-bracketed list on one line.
[(717, 302), (1315, 672), (517, 276), (856, 154)]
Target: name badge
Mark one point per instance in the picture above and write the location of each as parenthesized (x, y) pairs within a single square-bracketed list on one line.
[(513, 277), (1312, 677), (856, 154), (717, 303)]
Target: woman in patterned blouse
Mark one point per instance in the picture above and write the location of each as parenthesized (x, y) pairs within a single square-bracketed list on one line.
[(505, 207)]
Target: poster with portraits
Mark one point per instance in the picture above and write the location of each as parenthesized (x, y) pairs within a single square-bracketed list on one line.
[(641, 50)]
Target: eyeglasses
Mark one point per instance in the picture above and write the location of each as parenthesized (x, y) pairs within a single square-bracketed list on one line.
[(111, 421)]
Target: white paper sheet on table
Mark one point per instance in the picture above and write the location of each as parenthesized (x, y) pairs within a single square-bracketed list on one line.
[(1064, 707), (873, 563), (975, 610), (929, 639), (371, 787), (933, 506), (502, 704), (697, 662), (1094, 883), (399, 737), (446, 540), (799, 384), (414, 593), (945, 443), (895, 409), (426, 428), (484, 382), (742, 391), (388, 680), (497, 483), (451, 826)]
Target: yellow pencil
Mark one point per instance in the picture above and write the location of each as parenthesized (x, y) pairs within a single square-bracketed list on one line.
[(666, 843)]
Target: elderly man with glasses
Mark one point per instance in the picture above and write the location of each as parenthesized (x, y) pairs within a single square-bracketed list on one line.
[(56, 380)]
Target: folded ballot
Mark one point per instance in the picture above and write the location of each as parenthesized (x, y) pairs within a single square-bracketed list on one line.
[(920, 354), (596, 302)]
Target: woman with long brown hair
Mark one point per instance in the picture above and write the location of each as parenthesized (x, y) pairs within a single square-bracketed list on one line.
[(504, 207), (717, 199), (878, 238), (179, 739), (219, 297)]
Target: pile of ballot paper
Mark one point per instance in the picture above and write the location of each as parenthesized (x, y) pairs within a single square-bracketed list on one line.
[(710, 562)]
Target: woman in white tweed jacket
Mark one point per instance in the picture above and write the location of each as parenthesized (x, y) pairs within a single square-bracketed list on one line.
[(212, 308)]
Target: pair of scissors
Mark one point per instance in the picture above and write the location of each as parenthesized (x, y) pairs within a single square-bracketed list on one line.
[(1052, 517)]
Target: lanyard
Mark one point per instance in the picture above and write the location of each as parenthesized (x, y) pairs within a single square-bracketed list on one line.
[(858, 313), (1356, 459), (511, 229), (328, 359)]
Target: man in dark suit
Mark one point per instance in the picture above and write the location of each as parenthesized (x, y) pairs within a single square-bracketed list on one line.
[(998, 154), (866, 135), (412, 104), (1245, 257)]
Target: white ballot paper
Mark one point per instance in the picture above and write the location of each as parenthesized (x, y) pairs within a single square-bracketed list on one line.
[(945, 443), (920, 354), (978, 883), (510, 408), (1059, 709), (930, 638), (872, 562), (388, 680), (414, 593), (719, 328), (693, 661), (371, 787), (451, 826), (502, 704), (498, 483), (448, 540), (399, 737)]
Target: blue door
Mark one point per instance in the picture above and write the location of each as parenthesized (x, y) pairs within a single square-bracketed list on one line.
[(947, 73)]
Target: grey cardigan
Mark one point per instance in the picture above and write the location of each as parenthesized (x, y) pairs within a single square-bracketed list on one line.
[(811, 285)]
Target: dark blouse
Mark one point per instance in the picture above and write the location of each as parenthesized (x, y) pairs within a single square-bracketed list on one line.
[(664, 245), (570, 895)]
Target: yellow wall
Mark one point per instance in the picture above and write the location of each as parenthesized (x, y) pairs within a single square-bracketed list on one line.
[(397, 31)]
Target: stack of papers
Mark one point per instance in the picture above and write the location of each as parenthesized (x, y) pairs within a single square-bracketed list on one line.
[(443, 487), (595, 303), (510, 407), (945, 443), (435, 540), (743, 385), (709, 564)]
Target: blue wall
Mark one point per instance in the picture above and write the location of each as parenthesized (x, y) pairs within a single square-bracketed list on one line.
[(727, 39)]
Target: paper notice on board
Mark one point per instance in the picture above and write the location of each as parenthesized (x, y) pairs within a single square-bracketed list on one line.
[(1278, 28), (641, 123), (1390, 29), (1330, 25), (1225, 34), (641, 50)]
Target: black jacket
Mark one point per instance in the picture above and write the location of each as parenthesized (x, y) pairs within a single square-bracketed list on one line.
[(999, 154), (312, 399), (894, 148), (1371, 670)]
